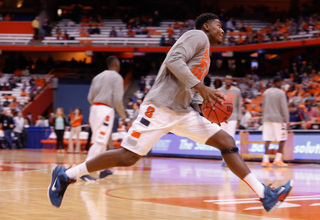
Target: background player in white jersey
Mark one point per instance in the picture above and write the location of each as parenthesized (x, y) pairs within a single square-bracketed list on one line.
[(166, 108), (275, 115), (234, 121), (105, 94)]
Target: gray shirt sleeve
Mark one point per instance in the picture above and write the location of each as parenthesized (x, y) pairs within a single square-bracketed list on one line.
[(238, 98), (179, 56), (284, 108), (118, 97), (91, 93)]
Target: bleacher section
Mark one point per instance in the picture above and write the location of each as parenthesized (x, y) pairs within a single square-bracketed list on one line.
[(150, 39), (15, 39), (16, 92)]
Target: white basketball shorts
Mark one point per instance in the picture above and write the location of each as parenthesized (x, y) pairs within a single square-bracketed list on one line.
[(274, 131), (230, 127), (101, 119), (154, 121)]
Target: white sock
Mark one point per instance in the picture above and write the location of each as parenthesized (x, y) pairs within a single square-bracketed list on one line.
[(254, 184), (278, 157), (77, 171), (265, 158), (95, 149)]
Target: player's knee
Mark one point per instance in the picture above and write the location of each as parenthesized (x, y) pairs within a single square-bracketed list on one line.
[(129, 158), (221, 140), (229, 142)]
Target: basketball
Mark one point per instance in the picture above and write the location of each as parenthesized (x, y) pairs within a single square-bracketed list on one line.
[(220, 113)]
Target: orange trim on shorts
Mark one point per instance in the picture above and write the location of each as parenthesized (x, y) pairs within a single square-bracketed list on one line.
[(99, 103), (136, 134)]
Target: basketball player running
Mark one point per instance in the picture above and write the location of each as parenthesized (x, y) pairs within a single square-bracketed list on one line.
[(234, 120), (105, 94), (166, 108), (274, 113)]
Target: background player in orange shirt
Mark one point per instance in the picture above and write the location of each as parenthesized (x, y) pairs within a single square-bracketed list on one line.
[(75, 123)]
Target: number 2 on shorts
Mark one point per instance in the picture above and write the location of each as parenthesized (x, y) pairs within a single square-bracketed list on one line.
[(149, 112)]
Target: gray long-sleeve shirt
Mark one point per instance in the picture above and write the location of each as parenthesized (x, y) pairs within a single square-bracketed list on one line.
[(186, 64), (107, 88), (275, 107), (235, 94)]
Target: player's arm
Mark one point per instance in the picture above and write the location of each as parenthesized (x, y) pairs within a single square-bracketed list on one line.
[(239, 102), (117, 95), (91, 93), (285, 110), (178, 57), (208, 94)]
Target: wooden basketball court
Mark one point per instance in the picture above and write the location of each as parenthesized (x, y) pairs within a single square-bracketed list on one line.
[(155, 188)]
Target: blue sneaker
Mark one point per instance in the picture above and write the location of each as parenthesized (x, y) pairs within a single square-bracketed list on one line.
[(59, 183), (273, 198), (103, 174), (87, 178)]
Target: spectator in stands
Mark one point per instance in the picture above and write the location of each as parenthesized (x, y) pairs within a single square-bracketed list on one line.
[(90, 30), (7, 125), (1, 17), (162, 41), (29, 119), (51, 119), (241, 26), (41, 122), (130, 33), (4, 87), (36, 25), (6, 103), (12, 84), (156, 19), (296, 98), (59, 126), (14, 103), (246, 118), (217, 83), (19, 124), (171, 40), (153, 79), (46, 29), (96, 30), (138, 30), (142, 84), (113, 32), (136, 108), (83, 32), (311, 112), (65, 35), (170, 30), (120, 32), (297, 118), (25, 72), (58, 33), (231, 25), (23, 92), (75, 123)]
